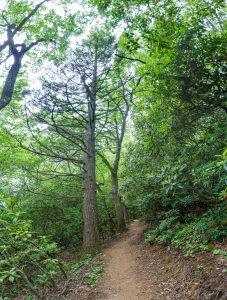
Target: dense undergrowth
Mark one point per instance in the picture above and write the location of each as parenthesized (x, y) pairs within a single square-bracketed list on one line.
[(199, 233), (174, 173), (185, 209), (30, 264)]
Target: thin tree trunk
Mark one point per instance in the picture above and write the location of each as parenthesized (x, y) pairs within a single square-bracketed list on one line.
[(121, 225), (125, 212), (109, 219)]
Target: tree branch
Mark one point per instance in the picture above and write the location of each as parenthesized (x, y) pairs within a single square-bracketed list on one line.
[(132, 59)]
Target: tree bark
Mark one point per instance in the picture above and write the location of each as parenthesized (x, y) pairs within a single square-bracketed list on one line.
[(9, 85), (121, 225), (91, 238)]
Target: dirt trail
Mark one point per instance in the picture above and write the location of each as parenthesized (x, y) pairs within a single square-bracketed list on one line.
[(135, 271), (120, 280)]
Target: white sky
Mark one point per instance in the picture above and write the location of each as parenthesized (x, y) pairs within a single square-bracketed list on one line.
[(55, 4)]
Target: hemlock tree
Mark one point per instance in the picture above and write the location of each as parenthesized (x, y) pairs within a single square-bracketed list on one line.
[(121, 102), (71, 112), (118, 135)]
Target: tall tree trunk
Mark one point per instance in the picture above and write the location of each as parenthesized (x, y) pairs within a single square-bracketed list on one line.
[(91, 238), (121, 226)]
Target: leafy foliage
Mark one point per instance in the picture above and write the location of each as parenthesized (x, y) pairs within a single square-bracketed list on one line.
[(92, 277), (198, 234), (168, 66), (174, 171), (26, 258)]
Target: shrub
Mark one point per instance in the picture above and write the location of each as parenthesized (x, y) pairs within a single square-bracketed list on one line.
[(196, 235), (25, 258)]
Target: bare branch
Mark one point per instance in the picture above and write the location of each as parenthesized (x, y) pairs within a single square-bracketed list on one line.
[(132, 59)]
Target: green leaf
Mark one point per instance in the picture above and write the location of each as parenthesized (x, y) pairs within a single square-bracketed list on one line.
[(11, 279)]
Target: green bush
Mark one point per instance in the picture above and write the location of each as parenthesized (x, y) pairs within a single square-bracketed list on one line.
[(92, 277), (186, 203), (199, 234), (26, 260)]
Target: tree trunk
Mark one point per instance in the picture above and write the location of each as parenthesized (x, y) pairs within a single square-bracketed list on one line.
[(91, 238), (121, 226), (8, 88), (109, 219), (125, 212)]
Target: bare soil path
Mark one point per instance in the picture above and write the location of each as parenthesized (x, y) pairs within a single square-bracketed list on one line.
[(120, 280), (134, 271)]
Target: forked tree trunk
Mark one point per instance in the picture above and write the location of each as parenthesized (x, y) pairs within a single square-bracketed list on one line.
[(121, 225), (12, 30)]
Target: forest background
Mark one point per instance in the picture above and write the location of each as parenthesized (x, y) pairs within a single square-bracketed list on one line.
[(110, 111)]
